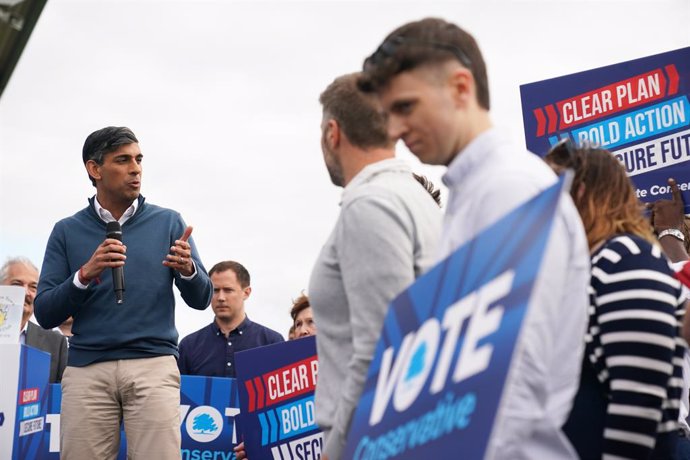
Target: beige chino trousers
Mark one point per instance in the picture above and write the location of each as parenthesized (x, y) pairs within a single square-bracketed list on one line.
[(144, 393)]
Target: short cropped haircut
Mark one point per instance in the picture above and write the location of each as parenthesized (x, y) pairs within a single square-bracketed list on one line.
[(419, 43), (298, 305), (238, 269), (356, 112), (106, 140), (5, 269)]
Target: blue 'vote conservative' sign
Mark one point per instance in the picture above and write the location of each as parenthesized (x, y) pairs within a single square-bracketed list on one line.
[(436, 380)]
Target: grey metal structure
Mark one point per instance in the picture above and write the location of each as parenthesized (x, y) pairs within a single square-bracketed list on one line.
[(17, 21)]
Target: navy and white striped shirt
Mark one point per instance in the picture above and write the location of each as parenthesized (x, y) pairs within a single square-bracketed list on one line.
[(635, 345)]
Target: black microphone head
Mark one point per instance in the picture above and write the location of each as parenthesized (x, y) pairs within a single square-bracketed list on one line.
[(113, 230)]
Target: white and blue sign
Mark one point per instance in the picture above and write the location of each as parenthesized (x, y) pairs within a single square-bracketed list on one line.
[(436, 380), (639, 110), (31, 405), (208, 407), (276, 387)]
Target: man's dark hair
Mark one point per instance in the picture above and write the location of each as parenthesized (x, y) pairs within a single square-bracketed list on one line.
[(240, 272), (429, 41), (357, 113), (104, 141), (429, 187)]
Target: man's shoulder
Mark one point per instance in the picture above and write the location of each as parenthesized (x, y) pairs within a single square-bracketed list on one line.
[(266, 333), (397, 193), (36, 331), (80, 216), (196, 335), (154, 208)]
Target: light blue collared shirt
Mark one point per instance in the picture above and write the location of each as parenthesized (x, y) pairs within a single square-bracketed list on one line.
[(486, 180)]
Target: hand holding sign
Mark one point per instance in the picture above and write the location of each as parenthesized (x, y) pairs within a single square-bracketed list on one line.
[(668, 222), (668, 213)]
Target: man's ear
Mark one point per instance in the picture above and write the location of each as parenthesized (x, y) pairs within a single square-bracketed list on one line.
[(94, 169), (333, 134), (462, 85), (247, 292)]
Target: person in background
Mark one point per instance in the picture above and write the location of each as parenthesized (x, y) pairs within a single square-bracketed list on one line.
[(211, 350), (671, 228), (19, 271), (627, 402), (302, 317)]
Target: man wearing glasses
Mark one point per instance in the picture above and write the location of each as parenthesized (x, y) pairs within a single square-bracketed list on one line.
[(432, 83)]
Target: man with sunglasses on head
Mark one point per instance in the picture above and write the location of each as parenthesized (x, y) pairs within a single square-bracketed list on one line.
[(431, 80)]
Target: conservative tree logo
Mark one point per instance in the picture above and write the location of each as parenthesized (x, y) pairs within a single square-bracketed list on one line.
[(203, 424)]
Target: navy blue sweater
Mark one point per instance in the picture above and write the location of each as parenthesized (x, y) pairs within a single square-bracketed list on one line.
[(144, 325)]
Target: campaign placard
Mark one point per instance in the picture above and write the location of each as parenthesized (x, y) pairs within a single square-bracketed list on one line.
[(438, 373), (276, 387), (208, 411), (208, 408), (11, 309), (638, 110), (23, 400)]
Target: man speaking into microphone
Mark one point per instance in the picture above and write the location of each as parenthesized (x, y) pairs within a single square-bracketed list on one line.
[(121, 364)]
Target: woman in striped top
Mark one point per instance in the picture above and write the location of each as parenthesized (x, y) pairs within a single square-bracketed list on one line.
[(628, 400)]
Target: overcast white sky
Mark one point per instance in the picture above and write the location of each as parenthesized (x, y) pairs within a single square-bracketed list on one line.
[(223, 96)]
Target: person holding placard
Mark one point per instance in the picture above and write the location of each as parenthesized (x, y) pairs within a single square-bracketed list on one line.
[(431, 80)]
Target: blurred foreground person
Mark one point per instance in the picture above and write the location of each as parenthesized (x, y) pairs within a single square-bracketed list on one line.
[(627, 403), (431, 80), (384, 238)]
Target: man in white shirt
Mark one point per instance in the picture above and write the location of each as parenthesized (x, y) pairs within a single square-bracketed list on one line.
[(431, 80)]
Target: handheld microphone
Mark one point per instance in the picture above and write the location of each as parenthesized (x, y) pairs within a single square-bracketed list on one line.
[(114, 231)]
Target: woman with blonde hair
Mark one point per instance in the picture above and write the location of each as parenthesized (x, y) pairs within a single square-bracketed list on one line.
[(631, 381)]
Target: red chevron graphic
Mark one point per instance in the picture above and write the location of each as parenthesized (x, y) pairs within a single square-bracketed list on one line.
[(261, 392), (541, 121), (252, 395), (552, 116), (672, 79)]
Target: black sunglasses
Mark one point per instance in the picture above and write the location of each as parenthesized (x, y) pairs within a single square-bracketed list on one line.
[(388, 48)]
